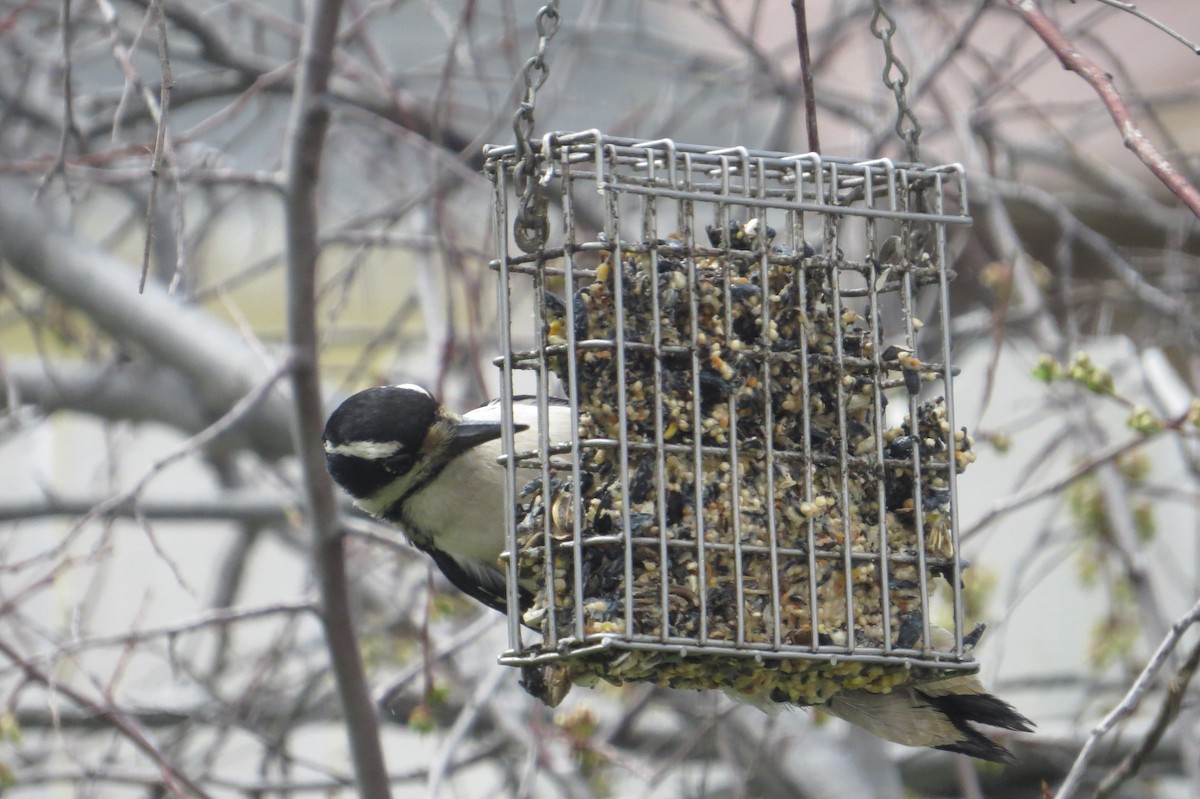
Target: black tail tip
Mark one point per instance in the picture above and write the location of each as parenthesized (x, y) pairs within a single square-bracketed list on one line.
[(964, 710), (977, 745), (985, 709)]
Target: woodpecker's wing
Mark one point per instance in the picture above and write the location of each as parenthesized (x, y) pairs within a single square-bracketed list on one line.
[(482, 583)]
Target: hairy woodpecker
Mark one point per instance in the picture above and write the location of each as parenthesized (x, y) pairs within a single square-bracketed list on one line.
[(432, 473)]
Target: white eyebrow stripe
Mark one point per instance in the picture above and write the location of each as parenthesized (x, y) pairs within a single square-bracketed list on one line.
[(365, 450)]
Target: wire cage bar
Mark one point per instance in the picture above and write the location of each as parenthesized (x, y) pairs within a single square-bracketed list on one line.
[(743, 472)]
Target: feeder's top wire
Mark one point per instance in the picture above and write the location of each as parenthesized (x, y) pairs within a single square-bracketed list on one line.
[(532, 225), (895, 77)]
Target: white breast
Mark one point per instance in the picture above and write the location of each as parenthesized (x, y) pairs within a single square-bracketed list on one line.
[(463, 508)]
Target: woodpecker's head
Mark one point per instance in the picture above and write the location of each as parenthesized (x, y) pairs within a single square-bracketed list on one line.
[(383, 441)]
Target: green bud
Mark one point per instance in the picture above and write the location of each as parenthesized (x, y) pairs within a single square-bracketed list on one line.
[(1193, 414), (1047, 369), (421, 720), (1143, 421)]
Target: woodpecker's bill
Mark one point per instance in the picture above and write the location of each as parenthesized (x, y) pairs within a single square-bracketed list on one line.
[(432, 473)]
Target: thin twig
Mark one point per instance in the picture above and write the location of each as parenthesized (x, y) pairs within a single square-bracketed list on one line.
[(69, 127), (228, 420), (245, 786), (452, 744), (1167, 713), (68, 124), (172, 778), (806, 76), (1005, 506), (160, 137), (245, 505), (1144, 17), (220, 617), (447, 648), (1102, 251), (1128, 704), (1102, 83)]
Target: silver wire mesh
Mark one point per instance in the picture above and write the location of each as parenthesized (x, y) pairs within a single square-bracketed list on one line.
[(735, 335)]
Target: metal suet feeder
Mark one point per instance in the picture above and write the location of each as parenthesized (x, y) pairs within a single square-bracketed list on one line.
[(759, 491)]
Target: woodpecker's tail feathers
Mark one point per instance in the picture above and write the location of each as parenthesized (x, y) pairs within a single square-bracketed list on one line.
[(938, 715)]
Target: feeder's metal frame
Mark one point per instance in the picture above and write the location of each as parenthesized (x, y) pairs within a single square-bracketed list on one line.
[(727, 178)]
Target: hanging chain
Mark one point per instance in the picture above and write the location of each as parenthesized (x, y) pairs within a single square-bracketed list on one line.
[(532, 224), (895, 77)]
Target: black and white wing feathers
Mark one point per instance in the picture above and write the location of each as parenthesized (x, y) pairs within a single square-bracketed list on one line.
[(481, 583)]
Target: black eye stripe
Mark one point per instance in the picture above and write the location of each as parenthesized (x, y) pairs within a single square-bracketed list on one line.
[(360, 478), (400, 463)]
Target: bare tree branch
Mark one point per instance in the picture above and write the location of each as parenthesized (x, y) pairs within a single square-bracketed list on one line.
[(1072, 784), (306, 140), (1142, 15), (220, 367), (161, 144), (1102, 83), (138, 391), (1167, 713), (173, 778), (247, 506)]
